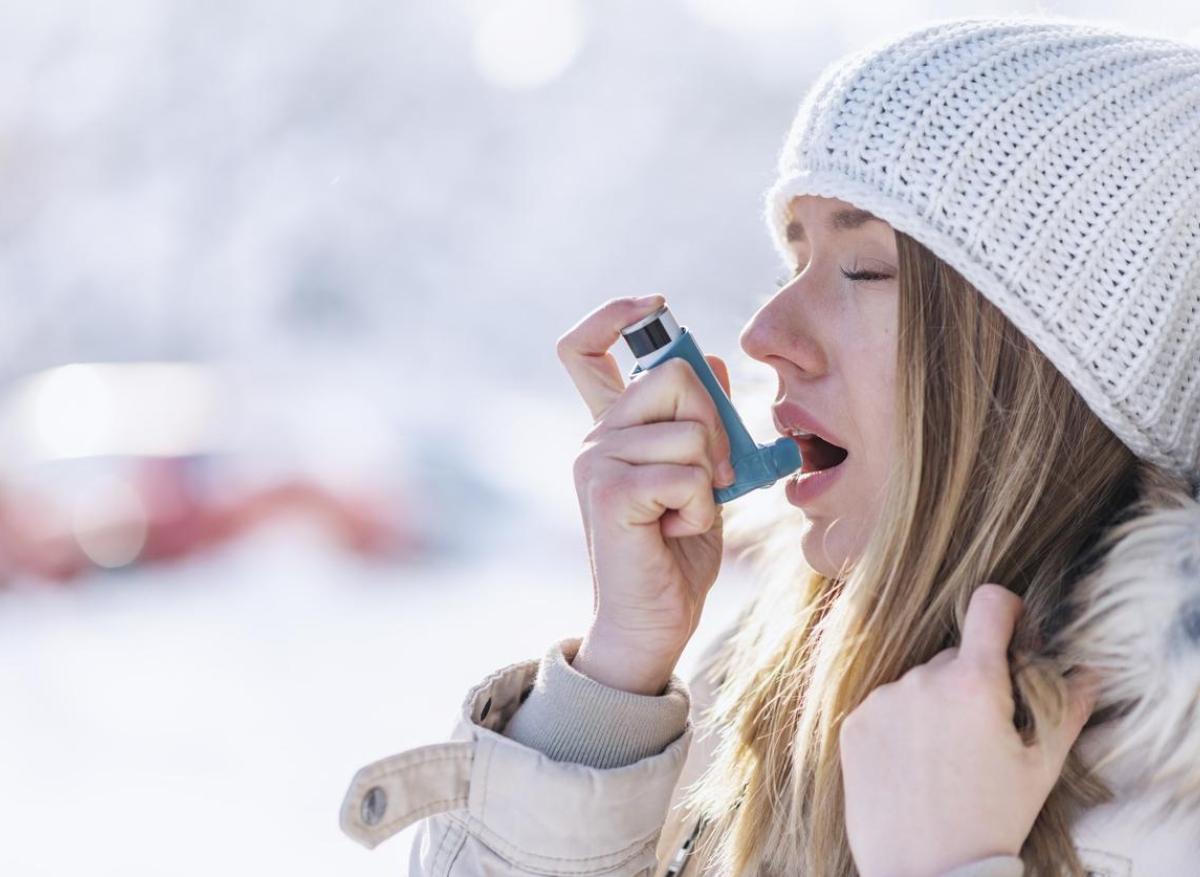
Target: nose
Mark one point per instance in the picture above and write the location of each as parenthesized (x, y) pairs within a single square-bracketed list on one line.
[(782, 329)]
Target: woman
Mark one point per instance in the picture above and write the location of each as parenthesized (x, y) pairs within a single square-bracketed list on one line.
[(993, 325)]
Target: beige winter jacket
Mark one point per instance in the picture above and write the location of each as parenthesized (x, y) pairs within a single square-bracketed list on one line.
[(550, 772)]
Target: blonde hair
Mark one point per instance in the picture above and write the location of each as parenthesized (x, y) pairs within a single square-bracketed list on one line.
[(1002, 474)]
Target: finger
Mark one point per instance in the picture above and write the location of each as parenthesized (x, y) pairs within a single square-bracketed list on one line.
[(1054, 743), (1083, 687), (674, 524), (671, 391), (988, 627), (583, 349), (659, 487), (669, 441), (721, 372)]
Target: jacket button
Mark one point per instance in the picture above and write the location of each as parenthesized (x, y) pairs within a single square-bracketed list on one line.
[(374, 805)]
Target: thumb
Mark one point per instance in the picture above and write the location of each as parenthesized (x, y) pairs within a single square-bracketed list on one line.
[(1055, 742), (721, 371), (988, 626)]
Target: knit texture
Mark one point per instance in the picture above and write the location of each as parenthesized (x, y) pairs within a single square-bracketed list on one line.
[(1055, 164), (572, 717)]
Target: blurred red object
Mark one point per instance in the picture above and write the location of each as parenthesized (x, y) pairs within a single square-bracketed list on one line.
[(181, 511), (184, 517)]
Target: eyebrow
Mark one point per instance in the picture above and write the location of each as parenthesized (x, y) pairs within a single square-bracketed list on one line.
[(841, 220)]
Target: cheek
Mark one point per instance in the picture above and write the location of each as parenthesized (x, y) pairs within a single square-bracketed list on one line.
[(879, 355), (873, 383), (882, 423)]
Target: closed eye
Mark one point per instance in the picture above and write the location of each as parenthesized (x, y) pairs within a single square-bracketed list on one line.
[(864, 276)]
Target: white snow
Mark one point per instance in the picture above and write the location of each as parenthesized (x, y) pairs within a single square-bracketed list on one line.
[(206, 718)]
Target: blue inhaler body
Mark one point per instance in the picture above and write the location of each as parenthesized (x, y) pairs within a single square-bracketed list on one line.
[(658, 337)]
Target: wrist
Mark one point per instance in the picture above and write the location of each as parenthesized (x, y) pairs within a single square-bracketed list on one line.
[(614, 661)]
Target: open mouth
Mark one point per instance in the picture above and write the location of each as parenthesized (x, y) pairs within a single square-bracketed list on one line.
[(818, 454)]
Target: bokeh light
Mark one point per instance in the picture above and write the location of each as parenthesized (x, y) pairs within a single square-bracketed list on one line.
[(526, 43)]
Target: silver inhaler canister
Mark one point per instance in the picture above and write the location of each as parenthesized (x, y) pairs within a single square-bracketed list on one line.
[(658, 337)]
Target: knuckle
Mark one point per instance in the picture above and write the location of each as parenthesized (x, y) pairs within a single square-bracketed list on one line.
[(723, 438), (582, 467), (713, 417), (676, 369), (964, 683), (696, 438), (702, 481), (599, 428), (723, 450), (971, 676), (605, 491), (705, 505), (698, 523)]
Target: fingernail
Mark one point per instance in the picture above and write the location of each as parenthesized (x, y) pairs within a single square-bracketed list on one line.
[(725, 473), (645, 300)]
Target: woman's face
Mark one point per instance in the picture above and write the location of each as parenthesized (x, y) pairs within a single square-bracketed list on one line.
[(832, 343)]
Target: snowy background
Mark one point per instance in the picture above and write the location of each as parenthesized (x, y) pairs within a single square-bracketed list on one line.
[(357, 228)]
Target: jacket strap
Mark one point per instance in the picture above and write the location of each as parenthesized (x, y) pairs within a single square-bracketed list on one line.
[(389, 795)]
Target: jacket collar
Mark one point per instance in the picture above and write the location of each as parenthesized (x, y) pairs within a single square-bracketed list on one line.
[(1137, 622)]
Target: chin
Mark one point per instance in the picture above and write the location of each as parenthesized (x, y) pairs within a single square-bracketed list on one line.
[(823, 547)]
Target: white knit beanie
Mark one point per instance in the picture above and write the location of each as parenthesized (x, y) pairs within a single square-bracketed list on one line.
[(1055, 164)]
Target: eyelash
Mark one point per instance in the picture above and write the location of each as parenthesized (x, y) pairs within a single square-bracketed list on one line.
[(785, 279)]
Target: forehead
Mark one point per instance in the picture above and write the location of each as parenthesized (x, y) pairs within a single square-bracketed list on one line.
[(805, 211)]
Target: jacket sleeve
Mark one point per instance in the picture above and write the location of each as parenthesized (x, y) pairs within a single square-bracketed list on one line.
[(571, 717), (491, 804), (581, 785)]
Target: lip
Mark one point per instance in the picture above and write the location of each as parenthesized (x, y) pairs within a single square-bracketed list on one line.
[(803, 487), (789, 416)]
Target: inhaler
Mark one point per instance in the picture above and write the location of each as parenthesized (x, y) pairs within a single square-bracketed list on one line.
[(658, 337)]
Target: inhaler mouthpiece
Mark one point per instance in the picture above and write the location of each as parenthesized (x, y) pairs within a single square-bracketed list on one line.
[(658, 337)]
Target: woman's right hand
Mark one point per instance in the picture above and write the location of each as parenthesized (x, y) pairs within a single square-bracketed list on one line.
[(644, 480)]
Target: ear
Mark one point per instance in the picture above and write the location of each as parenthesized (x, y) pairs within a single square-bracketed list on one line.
[(722, 373)]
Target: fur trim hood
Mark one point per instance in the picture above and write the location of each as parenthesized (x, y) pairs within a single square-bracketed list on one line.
[(1136, 620)]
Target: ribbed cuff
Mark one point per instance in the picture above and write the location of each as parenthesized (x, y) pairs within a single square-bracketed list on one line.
[(571, 717), (993, 866)]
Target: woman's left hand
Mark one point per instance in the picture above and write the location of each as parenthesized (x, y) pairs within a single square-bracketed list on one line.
[(935, 772)]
